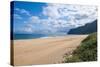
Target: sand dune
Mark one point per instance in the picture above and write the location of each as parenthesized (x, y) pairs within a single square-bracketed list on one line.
[(44, 50)]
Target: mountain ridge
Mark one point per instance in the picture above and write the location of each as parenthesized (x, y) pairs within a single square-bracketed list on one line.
[(86, 29)]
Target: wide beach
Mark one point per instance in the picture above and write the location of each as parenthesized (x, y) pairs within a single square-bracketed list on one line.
[(44, 50)]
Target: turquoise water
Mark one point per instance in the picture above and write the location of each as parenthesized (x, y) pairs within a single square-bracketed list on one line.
[(34, 36), (27, 36)]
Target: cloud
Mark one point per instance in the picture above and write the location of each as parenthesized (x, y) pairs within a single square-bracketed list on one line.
[(60, 18), (34, 19), (74, 13), (46, 26), (16, 16), (51, 11), (28, 30), (23, 11)]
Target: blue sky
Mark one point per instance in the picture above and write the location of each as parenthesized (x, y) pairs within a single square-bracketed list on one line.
[(48, 18)]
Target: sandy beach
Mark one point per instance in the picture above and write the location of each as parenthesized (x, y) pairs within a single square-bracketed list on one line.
[(44, 50)]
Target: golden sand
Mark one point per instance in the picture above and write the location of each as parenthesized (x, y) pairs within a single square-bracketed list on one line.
[(44, 50)]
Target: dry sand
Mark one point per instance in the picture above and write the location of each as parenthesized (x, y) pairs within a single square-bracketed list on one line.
[(44, 50)]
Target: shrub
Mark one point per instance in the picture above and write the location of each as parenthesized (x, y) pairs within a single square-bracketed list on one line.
[(87, 51)]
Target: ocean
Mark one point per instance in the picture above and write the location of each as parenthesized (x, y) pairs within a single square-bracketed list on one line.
[(27, 36), (34, 36)]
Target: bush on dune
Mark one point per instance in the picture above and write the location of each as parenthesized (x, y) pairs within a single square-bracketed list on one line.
[(87, 51)]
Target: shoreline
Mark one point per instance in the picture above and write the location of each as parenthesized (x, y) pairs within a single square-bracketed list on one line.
[(48, 37)]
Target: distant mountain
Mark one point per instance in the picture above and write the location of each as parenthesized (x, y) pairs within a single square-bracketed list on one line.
[(86, 29)]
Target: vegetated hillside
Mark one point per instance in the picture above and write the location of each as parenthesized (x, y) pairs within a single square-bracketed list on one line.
[(86, 29), (87, 51)]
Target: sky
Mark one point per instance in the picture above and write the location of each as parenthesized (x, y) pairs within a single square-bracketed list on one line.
[(50, 18)]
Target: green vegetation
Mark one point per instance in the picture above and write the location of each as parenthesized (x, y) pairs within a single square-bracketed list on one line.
[(87, 51)]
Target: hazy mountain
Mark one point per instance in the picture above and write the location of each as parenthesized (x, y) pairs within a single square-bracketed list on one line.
[(86, 29)]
